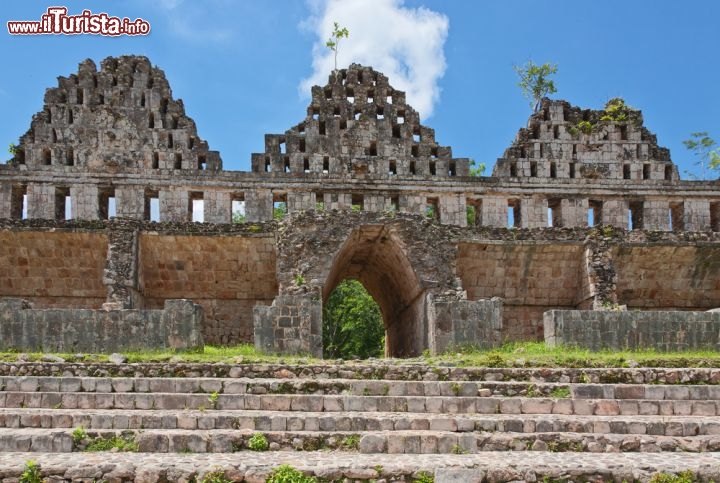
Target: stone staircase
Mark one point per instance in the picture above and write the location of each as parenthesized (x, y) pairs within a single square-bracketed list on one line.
[(376, 420)]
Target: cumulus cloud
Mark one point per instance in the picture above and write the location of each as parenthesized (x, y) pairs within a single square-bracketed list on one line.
[(405, 44)]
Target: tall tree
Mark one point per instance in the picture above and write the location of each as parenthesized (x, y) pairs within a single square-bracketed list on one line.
[(352, 323), (535, 82)]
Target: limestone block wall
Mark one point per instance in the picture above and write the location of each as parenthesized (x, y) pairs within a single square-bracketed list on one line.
[(291, 325), (53, 269), (176, 326), (530, 278), (227, 275), (622, 330), (668, 277), (455, 324)]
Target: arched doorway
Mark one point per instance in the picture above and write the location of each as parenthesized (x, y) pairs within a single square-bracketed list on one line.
[(373, 255)]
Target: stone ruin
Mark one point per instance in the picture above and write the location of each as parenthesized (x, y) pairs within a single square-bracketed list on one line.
[(583, 213)]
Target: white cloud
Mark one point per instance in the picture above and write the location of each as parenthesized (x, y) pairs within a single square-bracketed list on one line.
[(403, 43)]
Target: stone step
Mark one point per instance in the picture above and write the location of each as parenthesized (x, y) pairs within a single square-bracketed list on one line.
[(356, 387), (398, 442), (387, 370), (252, 467), (333, 403), (356, 421)]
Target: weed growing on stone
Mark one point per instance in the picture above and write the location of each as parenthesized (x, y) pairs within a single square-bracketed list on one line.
[(31, 473), (78, 435), (351, 442), (455, 388), (258, 442), (560, 392), (120, 443), (215, 476), (213, 399), (424, 477), (288, 474), (684, 477), (457, 449)]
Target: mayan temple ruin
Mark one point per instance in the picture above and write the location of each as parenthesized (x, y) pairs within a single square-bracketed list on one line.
[(583, 235)]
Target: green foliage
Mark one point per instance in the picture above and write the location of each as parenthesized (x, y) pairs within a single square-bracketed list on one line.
[(334, 41), (215, 476), (705, 149), (299, 280), (258, 442), (78, 435), (424, 477), (31, 473), (351, 442), (560, 392), (13, 148), (585, 126), (476, 169), (471, 214), (684, 477), (280, 211), (213, 399), (288, 474), (238, 217), (121, 443), (352, 323), (616, 110), (535, 82)]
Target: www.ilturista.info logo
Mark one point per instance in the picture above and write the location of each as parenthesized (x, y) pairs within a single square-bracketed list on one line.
[(56, 21)]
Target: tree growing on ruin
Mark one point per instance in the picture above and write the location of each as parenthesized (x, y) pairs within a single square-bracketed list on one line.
[(334, 41), (535, 81), (705, 149)]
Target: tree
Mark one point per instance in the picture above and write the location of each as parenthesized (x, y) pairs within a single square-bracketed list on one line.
[(352, 323), (705, 148), (535, 82), (238, 217), (476, 169), (334, 41)]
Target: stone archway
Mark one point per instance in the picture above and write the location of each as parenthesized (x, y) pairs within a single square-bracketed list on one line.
[(407, 264), (373, 255)]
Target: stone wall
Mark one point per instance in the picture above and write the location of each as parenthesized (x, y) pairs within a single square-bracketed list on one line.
[(227, 275), (291, 325), (457, 324), (54, 269), (623, 330), (177, 326)]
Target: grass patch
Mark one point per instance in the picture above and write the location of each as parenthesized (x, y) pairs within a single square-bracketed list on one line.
[(516, 354), (121, 443)]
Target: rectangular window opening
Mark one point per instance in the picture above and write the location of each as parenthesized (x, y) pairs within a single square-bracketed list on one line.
[(646, 171), (280, 208), (676, 215), (196, 206), (80, 95), (668, 172), (635, 215), (553, 169), (572, 169), (595, 212), (63, 204), (156, 160), (47, 157), (380, 113), (306, 165), (392, 167), (152, 206), (513, 169), (432, 168), (170, 141), (401, 117), (514, 214), (452, 168), (343, 124), (237, 208), (371, 96), (106, 203), (178, 161), (326, 164), (555, 213), (202, 162), (395, 203), (623, 133), (715, 216), (286, 164), (431, 209), (268, 165), (434, 152), (474, 212), (413, 170), (357, 202), (626, 171), (282, 146), (321, 128), (556, 131), (533, 169), (18, 202), (70, 157), (414, 151), (372, 151), (396, 132), (388, 100)]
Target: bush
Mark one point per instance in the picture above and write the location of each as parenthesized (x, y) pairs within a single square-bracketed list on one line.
[(258, 442), (288, 474)]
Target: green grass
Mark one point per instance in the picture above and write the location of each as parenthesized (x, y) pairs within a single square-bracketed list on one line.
[(524, 354)]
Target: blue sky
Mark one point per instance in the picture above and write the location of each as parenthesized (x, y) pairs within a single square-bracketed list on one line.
[(242, 67)]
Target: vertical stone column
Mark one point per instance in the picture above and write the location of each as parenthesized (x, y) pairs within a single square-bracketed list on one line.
[(412, 204), (300, 201), (41, 201), (574, 212), (495, 211), (129, 202), (121, 267), (6, 200), (534, 212), (615, 213), (656, 215), (374, 203), (85, 202), (453, 210), (697, 215), (217, 207), (258, 205), (174, 205), (600, 275), (291, 325)]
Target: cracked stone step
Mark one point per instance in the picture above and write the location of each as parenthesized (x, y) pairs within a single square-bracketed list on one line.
[(358, 421), (334, 403), (370, 371), (356, 387), (492, 467), (410, 442)]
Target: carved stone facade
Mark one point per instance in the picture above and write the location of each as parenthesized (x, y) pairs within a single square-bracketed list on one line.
[(549, 230)]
